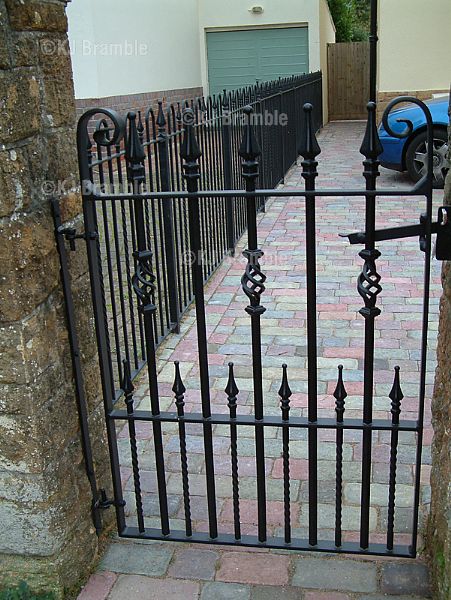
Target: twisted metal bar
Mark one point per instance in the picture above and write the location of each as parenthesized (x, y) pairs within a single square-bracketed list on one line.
[(179, 391), (285, 393), (340, 396), (396, 397), (232, 392), (128, 389)]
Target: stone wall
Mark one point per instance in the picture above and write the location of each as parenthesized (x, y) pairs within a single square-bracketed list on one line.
[(47, 535), (439, 538)]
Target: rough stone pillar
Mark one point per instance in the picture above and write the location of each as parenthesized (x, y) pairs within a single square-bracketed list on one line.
[(440, 522), (47, 537)]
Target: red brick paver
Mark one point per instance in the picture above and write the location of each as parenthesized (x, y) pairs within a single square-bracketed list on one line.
[(254, 568)]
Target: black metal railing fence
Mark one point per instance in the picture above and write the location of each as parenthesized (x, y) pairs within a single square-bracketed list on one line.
[(218, 122)]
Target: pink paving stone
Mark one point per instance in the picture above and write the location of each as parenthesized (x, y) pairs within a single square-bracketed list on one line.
[(249, 512), (98, 586), (298, 468), (343, 352), (354, 388), (254, 568), (218, 338)]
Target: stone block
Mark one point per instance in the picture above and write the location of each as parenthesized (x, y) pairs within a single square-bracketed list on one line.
[(20, 109), (27, 246), (34, 15)]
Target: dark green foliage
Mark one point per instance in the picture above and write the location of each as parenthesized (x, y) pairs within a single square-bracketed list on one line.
[(351, 18), (23, 592)]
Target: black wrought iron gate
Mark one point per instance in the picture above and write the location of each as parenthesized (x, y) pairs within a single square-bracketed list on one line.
[(130, 198)]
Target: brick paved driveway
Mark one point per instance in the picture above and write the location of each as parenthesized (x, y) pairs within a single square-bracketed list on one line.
[(138, 570)]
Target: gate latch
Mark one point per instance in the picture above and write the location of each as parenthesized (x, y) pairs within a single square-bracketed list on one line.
[(70, 233), (442, 227)]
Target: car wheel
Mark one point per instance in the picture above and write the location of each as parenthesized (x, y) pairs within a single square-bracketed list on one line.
[(417, 152)]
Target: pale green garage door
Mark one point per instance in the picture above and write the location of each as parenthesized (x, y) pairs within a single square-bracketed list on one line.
[(240, 58)]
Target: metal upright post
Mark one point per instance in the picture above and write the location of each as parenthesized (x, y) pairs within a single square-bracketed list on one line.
[(168, 220), (227, 167), (253, 286), (369, 288), (144, 287), (190, 153), (309, 150)]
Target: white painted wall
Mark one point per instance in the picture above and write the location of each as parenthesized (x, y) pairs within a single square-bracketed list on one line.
[(415, 45), (158, 40), (233, 14)]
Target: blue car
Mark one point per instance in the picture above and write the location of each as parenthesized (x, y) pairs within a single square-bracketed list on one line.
[(410, 154)]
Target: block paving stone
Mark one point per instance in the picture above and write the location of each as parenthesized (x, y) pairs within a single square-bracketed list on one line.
[(349, 575), (138, 559), (133, 587), (194, 563), (167, 570), (254, 568)]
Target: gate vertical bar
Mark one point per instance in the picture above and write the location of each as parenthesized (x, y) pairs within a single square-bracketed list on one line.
[(190, 153), (310, 150), (144, 287), (253, 286), (98, 293), (424, 333), (368, 287), (168, 220), (227, 167)]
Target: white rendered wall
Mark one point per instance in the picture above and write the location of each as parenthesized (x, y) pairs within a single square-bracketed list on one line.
[(122, 47), (414, 45)]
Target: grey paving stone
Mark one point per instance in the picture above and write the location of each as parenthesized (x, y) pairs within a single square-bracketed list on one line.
[(262, 592), (400, 578), (145, 588), (346, 575), (225, 591), (137, 559), (194, 563)]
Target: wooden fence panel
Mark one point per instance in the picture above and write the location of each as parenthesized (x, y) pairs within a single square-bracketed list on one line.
[(348, 76)]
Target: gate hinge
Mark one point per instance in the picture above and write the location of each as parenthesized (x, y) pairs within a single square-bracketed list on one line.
[(442, 227), (103, 502), (70, 233)]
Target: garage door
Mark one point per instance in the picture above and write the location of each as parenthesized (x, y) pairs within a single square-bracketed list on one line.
[(240, 58)]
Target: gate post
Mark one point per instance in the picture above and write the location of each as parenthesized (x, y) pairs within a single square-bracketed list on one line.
[(227, 166), (168, 220)]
